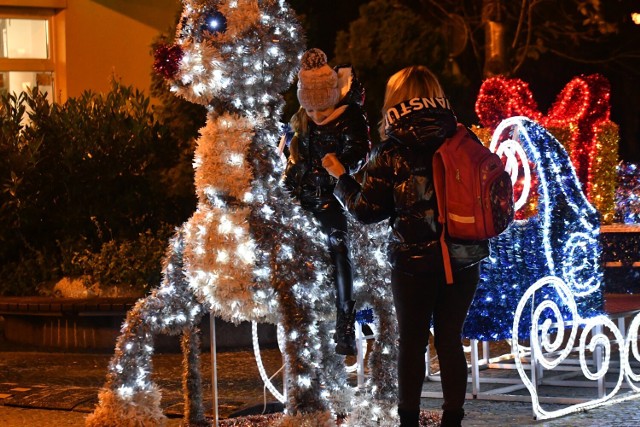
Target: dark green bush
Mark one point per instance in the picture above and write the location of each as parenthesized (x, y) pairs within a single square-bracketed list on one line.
[(130, 265), (90, 176)]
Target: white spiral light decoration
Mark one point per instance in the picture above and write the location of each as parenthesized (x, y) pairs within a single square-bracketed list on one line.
[(547, 352)]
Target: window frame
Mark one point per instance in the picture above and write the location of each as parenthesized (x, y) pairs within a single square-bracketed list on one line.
[(28, 64)]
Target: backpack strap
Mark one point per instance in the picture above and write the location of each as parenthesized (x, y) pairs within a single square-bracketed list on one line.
[(448, 272), (438, 184)]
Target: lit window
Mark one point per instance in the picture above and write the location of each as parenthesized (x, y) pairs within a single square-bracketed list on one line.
[(25, 53), (24, 38)]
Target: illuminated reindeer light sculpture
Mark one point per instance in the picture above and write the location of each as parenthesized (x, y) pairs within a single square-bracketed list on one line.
[(247, 253)]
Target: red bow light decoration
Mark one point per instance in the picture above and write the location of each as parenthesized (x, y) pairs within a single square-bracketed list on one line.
[(580, 114)]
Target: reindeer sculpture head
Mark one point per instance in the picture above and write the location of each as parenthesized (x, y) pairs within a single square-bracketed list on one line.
[(234, 55)]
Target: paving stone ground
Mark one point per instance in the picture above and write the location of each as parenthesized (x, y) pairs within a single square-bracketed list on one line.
[(71, 381), (60, 389)]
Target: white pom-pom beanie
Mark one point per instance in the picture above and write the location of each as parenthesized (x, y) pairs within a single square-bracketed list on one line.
[(317, 82)]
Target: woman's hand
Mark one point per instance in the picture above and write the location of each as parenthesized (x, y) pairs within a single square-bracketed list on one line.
[(331, 163)]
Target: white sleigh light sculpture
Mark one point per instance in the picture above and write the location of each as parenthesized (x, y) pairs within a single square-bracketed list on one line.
[(603, 351), (247, 253), (561, 313)]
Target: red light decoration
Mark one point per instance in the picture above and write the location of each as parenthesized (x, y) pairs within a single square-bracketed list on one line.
[(500, 98), (167, 60), (577, 117), (584, 106)]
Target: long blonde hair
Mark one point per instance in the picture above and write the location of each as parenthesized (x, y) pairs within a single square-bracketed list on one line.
[(300, 121), (410, 82), (300, 125)]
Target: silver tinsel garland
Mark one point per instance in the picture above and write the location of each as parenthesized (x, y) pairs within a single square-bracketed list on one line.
[(376, 404)]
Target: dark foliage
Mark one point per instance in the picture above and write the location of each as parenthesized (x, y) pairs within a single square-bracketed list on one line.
[(98, 170)]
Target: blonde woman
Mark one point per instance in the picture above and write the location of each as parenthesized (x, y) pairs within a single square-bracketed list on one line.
[(398, 186)]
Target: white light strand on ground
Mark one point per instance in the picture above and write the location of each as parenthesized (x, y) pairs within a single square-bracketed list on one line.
[(263, 373)]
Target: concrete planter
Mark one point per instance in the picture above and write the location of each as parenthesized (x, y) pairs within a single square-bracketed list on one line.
[(93, 324)]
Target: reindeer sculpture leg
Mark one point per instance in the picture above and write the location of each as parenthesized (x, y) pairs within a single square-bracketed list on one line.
[(129, 397), (302, 372), (383, 381), (315, 375), (376, 404), (334, 375), (192, 380)]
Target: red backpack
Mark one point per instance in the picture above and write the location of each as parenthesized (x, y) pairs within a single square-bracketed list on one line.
[(474, 192)]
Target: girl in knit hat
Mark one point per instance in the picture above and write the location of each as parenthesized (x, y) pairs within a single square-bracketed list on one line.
[(330, 120)]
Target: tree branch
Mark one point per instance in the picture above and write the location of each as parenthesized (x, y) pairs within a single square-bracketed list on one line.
[(519, 27), (610, 59), (439, 7)]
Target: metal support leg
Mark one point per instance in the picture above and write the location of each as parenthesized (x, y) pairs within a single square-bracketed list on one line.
[(360, 343), (475, 369), (597, 356), (281, 343), (214, 373), (622, 326), (535, 369), (486, 353), (427, 361)]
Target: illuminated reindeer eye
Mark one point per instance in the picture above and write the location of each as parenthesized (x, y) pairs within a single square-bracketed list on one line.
[(210, 22), (213, 22)]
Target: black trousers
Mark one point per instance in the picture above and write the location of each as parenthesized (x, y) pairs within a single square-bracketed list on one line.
[(333, 223), (420, 298)]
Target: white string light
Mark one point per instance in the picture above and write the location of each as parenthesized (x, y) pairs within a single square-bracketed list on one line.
[(577, 265), (543, 346)]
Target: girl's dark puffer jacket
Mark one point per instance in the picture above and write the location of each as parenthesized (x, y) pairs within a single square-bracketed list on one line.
[(347, 136), (398, 184)]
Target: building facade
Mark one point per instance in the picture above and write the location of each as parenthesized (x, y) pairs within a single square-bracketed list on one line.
[(65, 47)]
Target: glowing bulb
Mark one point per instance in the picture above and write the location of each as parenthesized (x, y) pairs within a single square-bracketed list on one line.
[(125, 392), (304, 381), (246, 253), (236, 159), (226, 226), (223, 257)]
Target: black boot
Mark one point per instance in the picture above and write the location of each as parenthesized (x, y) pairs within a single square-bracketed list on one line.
[(345, 336), (452, 418), (409, 418)]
